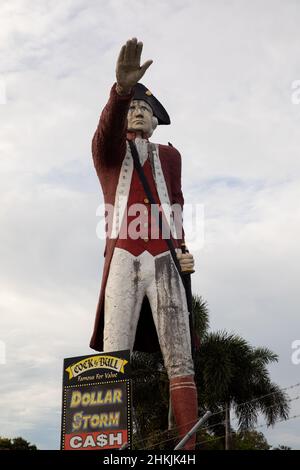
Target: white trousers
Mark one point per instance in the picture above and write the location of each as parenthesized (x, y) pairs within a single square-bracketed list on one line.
[(130, 279)]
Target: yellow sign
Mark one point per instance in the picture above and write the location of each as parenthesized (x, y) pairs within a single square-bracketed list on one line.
[(95, 362)]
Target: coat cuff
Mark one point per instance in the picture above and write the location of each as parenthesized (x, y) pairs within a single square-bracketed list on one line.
[(116, 95)]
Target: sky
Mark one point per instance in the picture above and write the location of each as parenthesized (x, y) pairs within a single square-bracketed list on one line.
[(228, 72)]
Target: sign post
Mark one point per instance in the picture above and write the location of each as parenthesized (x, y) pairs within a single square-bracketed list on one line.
[(96, 410)]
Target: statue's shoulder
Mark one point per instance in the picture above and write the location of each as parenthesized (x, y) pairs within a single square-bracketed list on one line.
[(169, 150)]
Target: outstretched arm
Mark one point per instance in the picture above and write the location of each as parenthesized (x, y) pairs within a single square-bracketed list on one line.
[(109, 141)]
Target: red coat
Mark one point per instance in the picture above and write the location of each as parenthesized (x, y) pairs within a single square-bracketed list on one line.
[(109, 150)]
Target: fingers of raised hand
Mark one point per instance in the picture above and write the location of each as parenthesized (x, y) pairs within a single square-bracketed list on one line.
[(145, 66), (128, 69), (122, 54), (131, 50), (139, 48)]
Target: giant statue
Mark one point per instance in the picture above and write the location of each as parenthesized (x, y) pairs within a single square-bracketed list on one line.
[(142, 303)]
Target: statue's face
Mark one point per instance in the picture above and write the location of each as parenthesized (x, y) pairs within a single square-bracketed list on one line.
[(140, 117)]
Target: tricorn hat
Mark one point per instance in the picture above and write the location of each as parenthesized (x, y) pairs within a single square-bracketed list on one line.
[(143, 93)]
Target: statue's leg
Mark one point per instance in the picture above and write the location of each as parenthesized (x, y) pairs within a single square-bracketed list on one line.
[(124, 294), (183, 393), (169, 307)]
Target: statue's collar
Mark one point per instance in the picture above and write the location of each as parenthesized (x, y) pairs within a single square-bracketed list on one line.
[(132, 136)]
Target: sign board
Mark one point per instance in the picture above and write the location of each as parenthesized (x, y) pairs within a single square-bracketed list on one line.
[(96, 410)]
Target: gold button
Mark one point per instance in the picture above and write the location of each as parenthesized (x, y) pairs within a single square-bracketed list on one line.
[(146, 239), (146, 200)]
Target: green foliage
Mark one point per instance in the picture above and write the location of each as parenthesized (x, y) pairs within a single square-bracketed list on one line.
[(150, 398), (201, 316), (228, 370), (17, 443), (240, 372), (241, 375), (249, 440)]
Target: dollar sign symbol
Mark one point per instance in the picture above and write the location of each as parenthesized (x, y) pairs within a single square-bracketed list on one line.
[(102, 440)]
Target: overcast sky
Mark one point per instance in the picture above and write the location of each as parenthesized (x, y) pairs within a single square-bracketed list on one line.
[(225, 71)]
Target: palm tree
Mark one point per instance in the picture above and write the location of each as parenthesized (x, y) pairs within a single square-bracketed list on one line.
[(231, 375), (201, 316), (150, 397)]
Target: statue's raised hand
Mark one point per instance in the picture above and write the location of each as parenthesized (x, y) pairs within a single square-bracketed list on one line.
[(128, 69)]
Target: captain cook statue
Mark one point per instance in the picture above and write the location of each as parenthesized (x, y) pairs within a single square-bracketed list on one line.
[(142, 303)]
